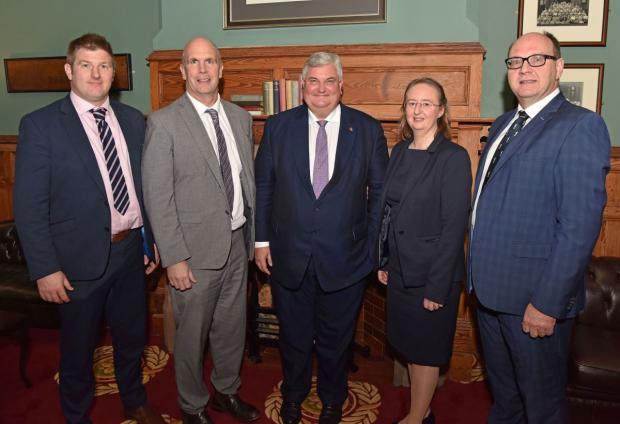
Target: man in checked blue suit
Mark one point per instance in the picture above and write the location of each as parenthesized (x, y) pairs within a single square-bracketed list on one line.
[(539, 199), (79, 211), (319, 172)]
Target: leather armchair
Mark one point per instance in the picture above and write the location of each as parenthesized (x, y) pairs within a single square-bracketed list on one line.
[(594, 362), (18, 294)]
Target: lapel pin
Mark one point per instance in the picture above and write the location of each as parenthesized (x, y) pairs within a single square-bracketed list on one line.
[(350, 129)]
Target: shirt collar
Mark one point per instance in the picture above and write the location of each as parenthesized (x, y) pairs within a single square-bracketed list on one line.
[(201, 108), (534, 109), (83, 106), (334, 115)]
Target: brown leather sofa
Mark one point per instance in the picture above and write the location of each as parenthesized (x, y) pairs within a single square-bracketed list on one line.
[(594, 363), (21, 307)]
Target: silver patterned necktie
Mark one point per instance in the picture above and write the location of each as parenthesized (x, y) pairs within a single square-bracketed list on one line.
[(115, 172), (223, 154), (320, 175)]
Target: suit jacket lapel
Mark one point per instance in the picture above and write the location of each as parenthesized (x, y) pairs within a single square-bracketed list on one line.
[(238, 133), (495, 129), (346, 141), (134, 150), (298, 134), (429, 159), (529, 134), (79, 141), (200, 137)]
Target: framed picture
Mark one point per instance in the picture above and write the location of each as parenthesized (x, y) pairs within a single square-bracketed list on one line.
[(271, 13), (573, 22), (40, 74), (582, 84)]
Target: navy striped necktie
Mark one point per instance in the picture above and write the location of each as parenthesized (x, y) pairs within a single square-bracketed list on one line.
[(508, 137), (115, 172)]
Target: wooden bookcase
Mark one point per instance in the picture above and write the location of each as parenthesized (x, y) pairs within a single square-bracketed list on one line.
[(375, 77)]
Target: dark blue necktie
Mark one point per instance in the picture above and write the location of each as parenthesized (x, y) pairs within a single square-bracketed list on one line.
[(115, 172), (223, 154), (508, 137)]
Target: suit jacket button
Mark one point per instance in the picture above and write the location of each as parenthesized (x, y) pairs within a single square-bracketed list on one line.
[(107, 229), (401, 232)]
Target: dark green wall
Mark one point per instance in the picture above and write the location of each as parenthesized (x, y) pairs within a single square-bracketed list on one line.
[(139, 26)]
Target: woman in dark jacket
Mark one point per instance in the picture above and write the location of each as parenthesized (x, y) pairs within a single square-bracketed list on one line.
[(426, 198)]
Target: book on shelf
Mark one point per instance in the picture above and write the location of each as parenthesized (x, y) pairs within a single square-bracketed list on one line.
[(267, 336), (280, 95), (268, 97), (268, 317), (276, 96)]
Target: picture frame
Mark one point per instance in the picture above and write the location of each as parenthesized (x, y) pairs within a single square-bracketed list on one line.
[(275, 13), (47, 74), (572, 22), (582, 84)]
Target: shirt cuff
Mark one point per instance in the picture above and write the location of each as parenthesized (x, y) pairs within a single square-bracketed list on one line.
[(261, 244)]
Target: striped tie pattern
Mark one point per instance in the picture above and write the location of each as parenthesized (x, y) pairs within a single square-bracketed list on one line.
[(115, 172), (224, 161), (510, 135), (320, 173)]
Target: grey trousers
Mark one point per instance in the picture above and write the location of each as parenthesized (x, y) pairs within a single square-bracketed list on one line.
[(213, 311)]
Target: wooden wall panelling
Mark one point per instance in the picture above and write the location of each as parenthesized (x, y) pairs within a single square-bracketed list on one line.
[(8, 144), (608, 243)]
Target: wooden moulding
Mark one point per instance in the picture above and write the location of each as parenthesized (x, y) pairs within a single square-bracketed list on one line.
[(41, 74)]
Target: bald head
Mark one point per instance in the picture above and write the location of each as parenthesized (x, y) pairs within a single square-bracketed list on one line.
[(540, 37), (200, 42)]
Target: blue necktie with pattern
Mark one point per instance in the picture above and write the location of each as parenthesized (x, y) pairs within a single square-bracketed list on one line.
[(510, 135)]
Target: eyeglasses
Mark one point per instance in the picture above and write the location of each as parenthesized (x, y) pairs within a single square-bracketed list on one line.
[(424, 105), (535, 61)]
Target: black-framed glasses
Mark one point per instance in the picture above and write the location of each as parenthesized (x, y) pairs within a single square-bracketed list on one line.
[(535, 61)]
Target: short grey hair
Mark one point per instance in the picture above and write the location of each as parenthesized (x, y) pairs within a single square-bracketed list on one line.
[(319, 59)]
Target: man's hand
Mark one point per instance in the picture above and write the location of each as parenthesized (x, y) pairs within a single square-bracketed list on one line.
[(53, 287), (537, 324), (180, 276), (149, 264), (382, 276), (429, 305), (262, 257)]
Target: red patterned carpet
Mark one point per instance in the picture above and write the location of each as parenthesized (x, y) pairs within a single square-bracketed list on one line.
[(372, 398)]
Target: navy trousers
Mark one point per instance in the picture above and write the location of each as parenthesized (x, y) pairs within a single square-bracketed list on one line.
[(310, 317), (527, 375), (120, 295)]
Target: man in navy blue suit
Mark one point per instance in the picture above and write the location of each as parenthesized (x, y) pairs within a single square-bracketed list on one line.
[(79, 211), (319, 171), (539, 199)]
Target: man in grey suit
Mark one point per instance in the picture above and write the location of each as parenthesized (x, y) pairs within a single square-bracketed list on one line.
[(198, 177)]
